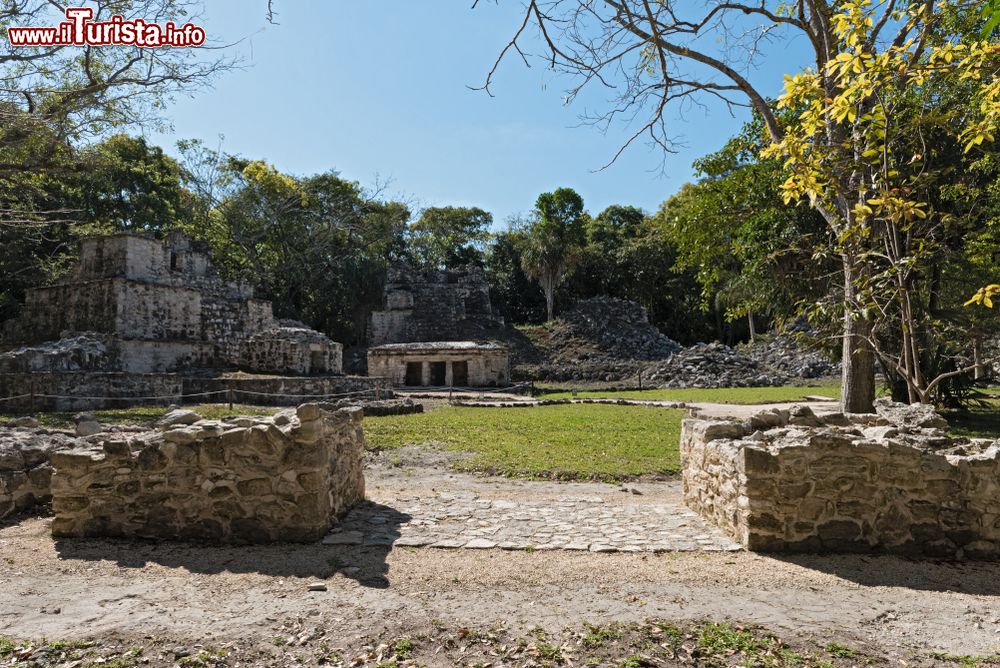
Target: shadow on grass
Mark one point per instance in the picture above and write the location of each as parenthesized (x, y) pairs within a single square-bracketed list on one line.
[(979, 578), (365, 563), (979, 422)]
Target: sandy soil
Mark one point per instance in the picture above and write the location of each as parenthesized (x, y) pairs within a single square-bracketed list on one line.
[(196, 594)]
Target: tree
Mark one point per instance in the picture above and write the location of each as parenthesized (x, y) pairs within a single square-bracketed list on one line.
[(448, 236), (656, 52), (317, 247), (753, 254), (512, 293), (53, 99), (554, 241)]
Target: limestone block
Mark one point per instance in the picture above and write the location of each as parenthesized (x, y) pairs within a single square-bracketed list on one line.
[(889, 482)]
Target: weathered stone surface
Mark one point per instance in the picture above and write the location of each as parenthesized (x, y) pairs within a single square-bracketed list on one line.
[(442, 363), (135, 308), (246, 480), (25, 472), (889, 482), (178, 417), (467, 519), (447, 305), (88, 428)]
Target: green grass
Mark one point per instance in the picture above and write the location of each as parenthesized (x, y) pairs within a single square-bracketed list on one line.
[(725, 395), (977, 422), (142, 415), (566, 442)]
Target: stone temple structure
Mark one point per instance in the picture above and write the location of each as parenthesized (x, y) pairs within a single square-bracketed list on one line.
[(434, 330), (441, 364), (142, 317), (448, 305)]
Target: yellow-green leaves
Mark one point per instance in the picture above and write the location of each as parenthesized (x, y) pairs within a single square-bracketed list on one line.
[(985, 296)]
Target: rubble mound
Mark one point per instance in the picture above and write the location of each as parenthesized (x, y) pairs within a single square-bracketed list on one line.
[(599, 339), (86, 351), (711, 365), (618, 328), (783, 353)]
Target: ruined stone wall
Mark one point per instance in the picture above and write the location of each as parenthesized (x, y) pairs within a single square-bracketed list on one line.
[(283, 390), (790, 482), (487, 366), (25, 472), (247, 480), (126, 308), (75, 391), (292, 350), (433, 306)]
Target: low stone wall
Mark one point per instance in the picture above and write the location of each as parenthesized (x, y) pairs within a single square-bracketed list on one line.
[(74, 391), (892, 482), (25, 473), (285, 390), (248, 480), (83, 390)]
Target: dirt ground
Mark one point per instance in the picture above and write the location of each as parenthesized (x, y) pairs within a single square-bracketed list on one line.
[(189, 595)]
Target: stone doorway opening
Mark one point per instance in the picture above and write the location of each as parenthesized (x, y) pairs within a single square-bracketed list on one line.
[(414, 374), (439, 374), (460, 374), (317, 361)]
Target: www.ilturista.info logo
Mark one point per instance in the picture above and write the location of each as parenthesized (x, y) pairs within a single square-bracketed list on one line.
[(81, 30)]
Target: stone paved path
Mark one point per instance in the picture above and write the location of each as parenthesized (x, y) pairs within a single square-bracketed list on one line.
[(467, 519)]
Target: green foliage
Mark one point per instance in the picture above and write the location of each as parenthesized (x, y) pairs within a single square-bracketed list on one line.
[(316, 246), (751, 252), (54, 101), (566, 442), (554, 240), (629, 257), (120, 183), (512, 293), (448, 236)]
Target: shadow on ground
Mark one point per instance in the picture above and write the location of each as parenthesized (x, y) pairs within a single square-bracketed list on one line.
[(980, 578), (365, 563)]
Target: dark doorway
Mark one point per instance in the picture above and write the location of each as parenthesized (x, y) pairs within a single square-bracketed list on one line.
[(317, 362), (414, 373), (438, 373), (460, 374)]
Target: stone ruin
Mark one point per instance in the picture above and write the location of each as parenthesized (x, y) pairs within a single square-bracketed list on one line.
[(422, 306), (441, 364), (433, 330), (894, 481), (286, 477), (138, 317)]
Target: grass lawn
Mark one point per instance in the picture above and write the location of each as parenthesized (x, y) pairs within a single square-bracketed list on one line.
[(142, 415), (579, 441), (977, 422), (724, 395)]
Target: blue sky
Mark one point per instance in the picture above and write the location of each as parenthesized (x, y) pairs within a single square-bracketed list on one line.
[(381, 90)]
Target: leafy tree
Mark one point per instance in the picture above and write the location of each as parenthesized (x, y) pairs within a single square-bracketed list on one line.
[(317, 246), (653, 54), (512, 293), (554, 241), (449, 236), (752, 253), (120, 183), (53, 99), (876, 185)]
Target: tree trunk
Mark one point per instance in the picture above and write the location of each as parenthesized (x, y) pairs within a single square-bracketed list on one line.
[(977, 356), (753, 327), (549, 288), (857, 383)]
